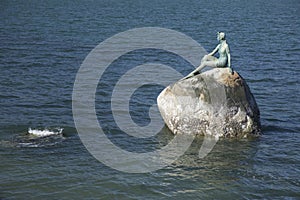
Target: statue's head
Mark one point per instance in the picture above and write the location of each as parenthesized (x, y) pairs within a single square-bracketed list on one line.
[(221, 36)]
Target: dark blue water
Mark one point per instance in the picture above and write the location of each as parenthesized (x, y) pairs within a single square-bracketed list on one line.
[(42, 45)]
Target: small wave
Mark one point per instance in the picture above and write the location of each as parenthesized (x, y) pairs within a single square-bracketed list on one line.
[(38, 138), (45, 132), (278, 128)]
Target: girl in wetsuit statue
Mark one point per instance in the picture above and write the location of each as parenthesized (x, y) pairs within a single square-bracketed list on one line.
[(211, 61)]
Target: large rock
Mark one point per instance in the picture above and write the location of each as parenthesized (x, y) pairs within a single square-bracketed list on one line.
[(214, 103)]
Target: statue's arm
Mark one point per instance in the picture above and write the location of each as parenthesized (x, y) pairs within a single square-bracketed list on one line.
[(214, 51), (228, 57)]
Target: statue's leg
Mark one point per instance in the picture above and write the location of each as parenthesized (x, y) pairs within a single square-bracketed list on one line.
[(210, 63), (207, 60)]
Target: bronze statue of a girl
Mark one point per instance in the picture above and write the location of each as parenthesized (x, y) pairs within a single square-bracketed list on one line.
[(211, 61)]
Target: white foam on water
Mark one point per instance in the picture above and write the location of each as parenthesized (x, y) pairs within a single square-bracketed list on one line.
[(45, 132)]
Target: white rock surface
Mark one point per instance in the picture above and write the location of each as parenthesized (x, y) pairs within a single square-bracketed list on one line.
[(214, 103)]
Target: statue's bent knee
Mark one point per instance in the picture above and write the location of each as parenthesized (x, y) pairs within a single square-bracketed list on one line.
[(204, 58)]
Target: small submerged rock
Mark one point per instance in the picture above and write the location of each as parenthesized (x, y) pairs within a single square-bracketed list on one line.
[(45, 132), (214, 102), (39, 138)]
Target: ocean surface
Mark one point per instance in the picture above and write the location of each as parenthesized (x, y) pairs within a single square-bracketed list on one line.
[(42, 46)]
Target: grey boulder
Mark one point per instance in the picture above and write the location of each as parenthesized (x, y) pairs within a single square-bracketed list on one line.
[(215, 103)]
